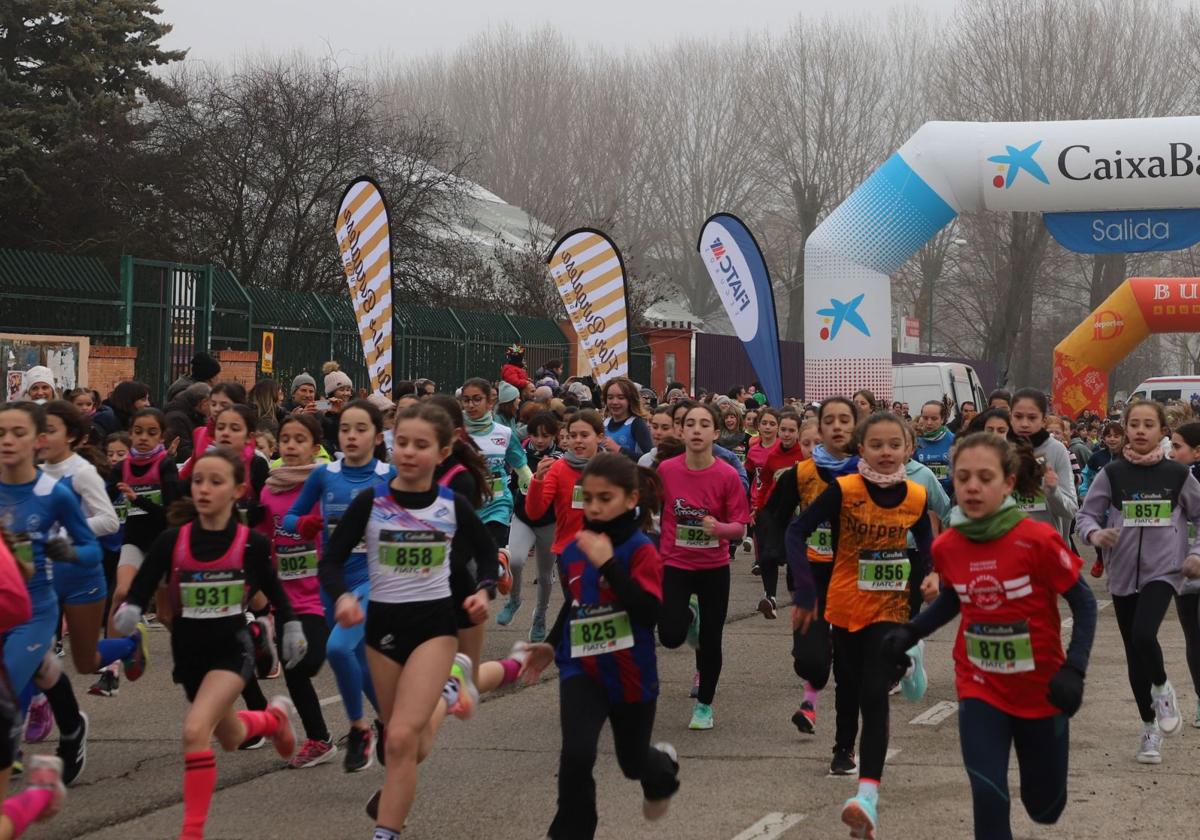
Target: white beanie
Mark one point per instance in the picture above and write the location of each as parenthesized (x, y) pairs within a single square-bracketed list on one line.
[(36, 374), (334, 380)]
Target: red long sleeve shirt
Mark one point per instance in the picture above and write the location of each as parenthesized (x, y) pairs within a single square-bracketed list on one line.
[(557, 489)]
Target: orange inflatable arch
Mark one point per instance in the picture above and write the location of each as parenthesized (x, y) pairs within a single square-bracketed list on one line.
[(1139, 307)]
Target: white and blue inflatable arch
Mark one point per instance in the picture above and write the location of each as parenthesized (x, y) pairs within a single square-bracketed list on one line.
[(1071, 168)]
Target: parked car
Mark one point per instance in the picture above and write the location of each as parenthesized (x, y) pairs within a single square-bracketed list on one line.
[(919, 383)]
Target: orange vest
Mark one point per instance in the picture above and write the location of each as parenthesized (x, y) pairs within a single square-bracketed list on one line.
[(870, 568), (809, 485)]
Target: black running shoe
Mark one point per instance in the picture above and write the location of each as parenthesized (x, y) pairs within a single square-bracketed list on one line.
[(805, 719), (380, 739), (358, 750), (373, 805), (109, 685), (254, 743), (843, 763), (72, 749)]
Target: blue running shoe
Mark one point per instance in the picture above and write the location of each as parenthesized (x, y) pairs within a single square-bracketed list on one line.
[(914, 683), (509, 612), (861, 814)]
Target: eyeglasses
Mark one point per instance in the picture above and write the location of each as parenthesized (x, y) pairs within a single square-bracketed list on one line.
[(465, 400)]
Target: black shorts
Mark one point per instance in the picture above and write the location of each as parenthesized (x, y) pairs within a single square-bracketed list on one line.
[(234, 654), (396, 630), (11, 723)]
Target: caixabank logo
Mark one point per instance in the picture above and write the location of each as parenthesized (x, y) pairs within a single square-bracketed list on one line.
[(1083, 162)]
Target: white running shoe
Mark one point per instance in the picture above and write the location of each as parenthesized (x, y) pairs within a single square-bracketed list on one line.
[(1166, 708), (1149, 752)]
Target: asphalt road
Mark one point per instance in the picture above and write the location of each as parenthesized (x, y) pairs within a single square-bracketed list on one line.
[(753, 777)]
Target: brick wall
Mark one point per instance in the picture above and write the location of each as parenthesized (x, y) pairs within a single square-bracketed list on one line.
[(109, 365), (238, 366)]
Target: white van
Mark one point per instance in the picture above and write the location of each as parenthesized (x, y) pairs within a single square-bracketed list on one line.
[(1163, 388), (919, 383)]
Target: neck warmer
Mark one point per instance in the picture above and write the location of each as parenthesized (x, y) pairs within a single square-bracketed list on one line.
[(991, 527), (284, 478), (1038, 438), (936, 435), (576, 462), (146, 457), (618, 530), (481, 426), (882, 479), (838, 466), (1148, 460)]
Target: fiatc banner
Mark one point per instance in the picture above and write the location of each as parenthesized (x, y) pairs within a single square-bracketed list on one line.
[(365, 243), (590, 275), (736, 266)]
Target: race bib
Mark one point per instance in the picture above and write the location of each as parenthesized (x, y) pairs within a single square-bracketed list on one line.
[(121, 506), (999, 648), (691, 535), (412, 552), (883, 571), (296, 562), (1031, 504), (150, 494), (217, 594), (23, 552), (597, 630), (577, 497), (820, 541), (1147, 513), (940, 471), (498, 485)]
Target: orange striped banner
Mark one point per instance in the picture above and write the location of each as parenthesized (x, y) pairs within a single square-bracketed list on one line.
[(365, 243), (590, 275)]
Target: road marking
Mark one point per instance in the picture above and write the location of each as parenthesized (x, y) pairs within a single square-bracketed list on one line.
[(1068, 623), (936, 713), (329, 701), (1101, 605), (770, 826)]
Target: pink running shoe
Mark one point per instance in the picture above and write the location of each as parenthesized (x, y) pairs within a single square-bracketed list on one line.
[(312, 753), (40, 721)]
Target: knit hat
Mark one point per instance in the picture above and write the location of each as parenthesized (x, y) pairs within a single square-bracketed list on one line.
[(334, 380), (379, 401), (507, 393), (583, 392), (36, 374), (302, 379), (204, 367)]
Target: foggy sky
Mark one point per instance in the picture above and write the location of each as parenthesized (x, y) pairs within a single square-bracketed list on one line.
[(220, 30)]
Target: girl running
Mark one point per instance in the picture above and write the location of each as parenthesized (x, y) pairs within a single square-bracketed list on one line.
[(870, 515), (295, 560), (1112, 439), (626, 431), (757, 454), (1136, 510), (1014, 683), (706, 509), (420, 537), (733, 436), (935, 441), (146, 483), (116, 450), (1057, 501), (662, 425), (33, 507), (502, 451), (528, 533), (210, 565), (1185, 447), (334, 486), (810, 436), (782, 458), (796, 489), (603, 644)]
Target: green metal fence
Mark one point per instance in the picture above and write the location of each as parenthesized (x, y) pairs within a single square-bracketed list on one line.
[(169, 310)]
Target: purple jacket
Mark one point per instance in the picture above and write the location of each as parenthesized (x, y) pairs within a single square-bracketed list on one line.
[(1142, 554)]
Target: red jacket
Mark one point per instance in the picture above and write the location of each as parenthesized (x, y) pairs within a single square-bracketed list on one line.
[(777, 459), (557, 489), (515, 375)]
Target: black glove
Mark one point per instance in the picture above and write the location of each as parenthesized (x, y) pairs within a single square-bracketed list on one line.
[(1066, 690), (59, 549), (894, 649)]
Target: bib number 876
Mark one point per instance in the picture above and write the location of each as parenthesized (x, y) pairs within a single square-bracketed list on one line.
[(1003, 651)]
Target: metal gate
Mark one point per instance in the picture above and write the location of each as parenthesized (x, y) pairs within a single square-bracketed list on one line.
[(168, 317)]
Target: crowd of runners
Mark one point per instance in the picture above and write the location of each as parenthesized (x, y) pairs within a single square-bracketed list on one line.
[(277, 529)]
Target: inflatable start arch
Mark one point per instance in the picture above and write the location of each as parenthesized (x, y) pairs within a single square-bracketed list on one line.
[(951, 168), (1139, 307)]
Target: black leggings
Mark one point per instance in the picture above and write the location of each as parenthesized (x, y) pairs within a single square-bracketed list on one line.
[(1139, 616), (711, 587), (812, 652), (987, 734), (583, 708), (862, 686), (1188, 607), (299, 679)]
